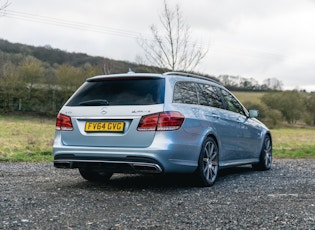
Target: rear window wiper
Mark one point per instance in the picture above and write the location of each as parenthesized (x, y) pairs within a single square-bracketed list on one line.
[(94, 102)]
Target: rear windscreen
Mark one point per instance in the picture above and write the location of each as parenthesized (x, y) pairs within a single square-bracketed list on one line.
[(139, 91)]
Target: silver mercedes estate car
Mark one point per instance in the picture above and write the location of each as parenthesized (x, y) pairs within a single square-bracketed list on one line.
[(158, 123)]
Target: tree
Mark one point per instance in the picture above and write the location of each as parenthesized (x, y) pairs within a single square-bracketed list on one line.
[(289, 103), (3, 6), (69, 78), (310, 109), (273, 83), (10, 87), (89, 71), (173, 48), (31, 73)]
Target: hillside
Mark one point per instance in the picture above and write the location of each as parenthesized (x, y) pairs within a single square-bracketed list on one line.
[(54, 57)]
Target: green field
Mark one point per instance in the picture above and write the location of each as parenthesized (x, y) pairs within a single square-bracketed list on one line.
[(30, 139), (294, 142), (26, 138), (253, 97)]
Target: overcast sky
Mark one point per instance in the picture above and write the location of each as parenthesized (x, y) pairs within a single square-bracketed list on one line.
[(257, 39)]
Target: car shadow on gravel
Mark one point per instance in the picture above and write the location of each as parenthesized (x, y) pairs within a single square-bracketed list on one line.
[(156, 182)]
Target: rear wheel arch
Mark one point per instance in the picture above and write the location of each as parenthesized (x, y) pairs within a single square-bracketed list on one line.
[(207, 135), (213, 136)]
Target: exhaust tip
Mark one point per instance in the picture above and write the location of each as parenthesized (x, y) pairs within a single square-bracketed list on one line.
[(147, 168), (62, 165)]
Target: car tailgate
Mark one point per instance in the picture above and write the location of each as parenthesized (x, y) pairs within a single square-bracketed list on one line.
[(108, 126)]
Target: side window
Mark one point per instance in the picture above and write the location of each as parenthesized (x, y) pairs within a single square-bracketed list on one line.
[(185, 92), (202, 97), (232, 103), (212, 96)]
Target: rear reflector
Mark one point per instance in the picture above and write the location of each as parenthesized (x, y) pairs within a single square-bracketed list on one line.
[(63, 122), (165, 121)]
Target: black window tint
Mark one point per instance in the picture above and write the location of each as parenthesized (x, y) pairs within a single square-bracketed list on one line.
[(232, 103), (117, 91), (202, 97), (211, 95), (185, 92)]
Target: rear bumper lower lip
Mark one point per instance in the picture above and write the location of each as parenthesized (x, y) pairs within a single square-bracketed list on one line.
[(141, 167)]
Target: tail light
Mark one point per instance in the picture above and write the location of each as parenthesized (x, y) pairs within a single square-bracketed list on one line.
[(63, 122), (165, 121)]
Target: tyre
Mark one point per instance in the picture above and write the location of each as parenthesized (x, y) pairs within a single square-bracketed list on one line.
[(265, 160), (94, 176), (208, 163)]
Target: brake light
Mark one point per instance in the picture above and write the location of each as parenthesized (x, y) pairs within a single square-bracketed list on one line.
[(165, 121), (170, 121), (63, 122)]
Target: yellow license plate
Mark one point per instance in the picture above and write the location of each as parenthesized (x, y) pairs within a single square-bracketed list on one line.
[(107, 126)]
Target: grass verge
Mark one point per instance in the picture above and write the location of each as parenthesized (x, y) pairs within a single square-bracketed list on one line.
[(294, 142), (26, 139)]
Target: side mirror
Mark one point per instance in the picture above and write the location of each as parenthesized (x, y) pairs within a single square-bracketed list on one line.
[(253, 113)]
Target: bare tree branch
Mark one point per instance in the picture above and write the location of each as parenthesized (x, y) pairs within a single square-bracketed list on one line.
[(3, 6), (174, 49)]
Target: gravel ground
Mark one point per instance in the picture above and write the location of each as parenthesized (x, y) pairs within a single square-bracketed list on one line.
[(38, 196)]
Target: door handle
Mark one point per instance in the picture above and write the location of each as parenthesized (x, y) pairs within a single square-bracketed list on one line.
[(216, 116)]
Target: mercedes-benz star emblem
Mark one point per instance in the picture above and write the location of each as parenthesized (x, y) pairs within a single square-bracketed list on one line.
[(103, 111)]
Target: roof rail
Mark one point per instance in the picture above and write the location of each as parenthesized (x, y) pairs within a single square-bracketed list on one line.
[(192, 75)]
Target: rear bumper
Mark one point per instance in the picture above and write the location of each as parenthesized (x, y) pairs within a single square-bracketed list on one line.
[(116, 166), (146, 160)]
